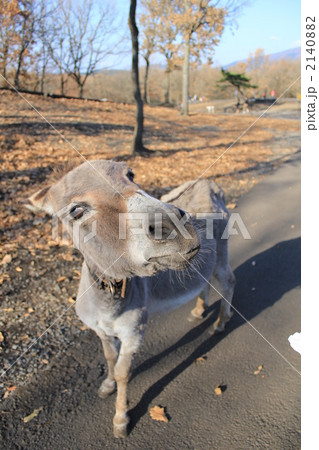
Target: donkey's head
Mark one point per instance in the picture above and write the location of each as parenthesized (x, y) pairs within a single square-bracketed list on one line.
[(120, 230)]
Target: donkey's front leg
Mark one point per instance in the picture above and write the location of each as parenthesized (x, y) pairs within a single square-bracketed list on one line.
[(121, 375), (110, 353)]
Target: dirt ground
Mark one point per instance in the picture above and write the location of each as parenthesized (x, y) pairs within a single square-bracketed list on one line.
[(39, 275)]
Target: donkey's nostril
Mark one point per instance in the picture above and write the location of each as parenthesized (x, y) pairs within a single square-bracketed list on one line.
[(151, 229)]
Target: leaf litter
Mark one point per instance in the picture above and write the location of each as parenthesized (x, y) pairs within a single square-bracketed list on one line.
[(29, 155)]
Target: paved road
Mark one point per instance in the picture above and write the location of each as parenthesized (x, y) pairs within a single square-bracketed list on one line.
[(254, 411)]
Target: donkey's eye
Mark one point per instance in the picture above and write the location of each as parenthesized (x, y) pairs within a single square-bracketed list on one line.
[(77, 211), (130, 175)]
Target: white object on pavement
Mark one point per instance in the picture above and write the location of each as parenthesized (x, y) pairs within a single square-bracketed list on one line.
[(295, 341)]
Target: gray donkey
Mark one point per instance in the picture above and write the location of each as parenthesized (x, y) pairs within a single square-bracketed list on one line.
[(127, 238)]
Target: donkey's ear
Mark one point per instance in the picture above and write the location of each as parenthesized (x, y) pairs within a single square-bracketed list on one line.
[(40, 201)]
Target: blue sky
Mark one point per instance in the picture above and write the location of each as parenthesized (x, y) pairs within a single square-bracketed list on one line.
[(273, 25)]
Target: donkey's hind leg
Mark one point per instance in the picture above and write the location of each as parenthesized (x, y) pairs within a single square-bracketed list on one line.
[(226, 284), (110, 352)]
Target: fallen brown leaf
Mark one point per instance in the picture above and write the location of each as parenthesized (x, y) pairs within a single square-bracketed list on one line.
[(71, 300), (52, 243), (32, 415), (60, 279), (67, 257), (6, 259), (9, 246), (11, 388), (158, 413), (4, 277), (218, 390), (259, 369), (201, 359)]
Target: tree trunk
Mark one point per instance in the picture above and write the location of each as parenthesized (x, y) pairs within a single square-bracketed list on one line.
[(81, 87), (62, 82), (186, 77), (4, 71), (42, 77), (168, 87), (5, 59), (137, 143), (17, 74), (145, 97)]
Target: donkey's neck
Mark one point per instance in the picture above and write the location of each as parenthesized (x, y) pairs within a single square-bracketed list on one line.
[(116, 287)]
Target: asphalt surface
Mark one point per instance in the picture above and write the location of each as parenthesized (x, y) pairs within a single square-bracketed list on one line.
[(253, 412)]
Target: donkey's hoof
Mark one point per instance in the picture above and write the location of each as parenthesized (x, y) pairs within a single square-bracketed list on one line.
[(196, 314), (120, 431), (198, 311), (194, 317), (120, 428), (107, 388), (218, 327)]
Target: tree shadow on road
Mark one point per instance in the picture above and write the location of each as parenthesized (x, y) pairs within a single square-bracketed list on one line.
[(274, 272)]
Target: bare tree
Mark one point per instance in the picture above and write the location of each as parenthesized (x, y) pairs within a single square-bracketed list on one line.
[(44, 32), (90, 27), (58, 50), (56, 43), (167, 43), (8, 33), (25, 31), (148, 25), (137, 143)]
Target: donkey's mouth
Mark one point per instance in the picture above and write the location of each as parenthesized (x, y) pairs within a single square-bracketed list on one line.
[(193, 251), (177, 261)]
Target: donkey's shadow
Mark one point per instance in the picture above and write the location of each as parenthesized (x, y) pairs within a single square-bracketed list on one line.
[(273, 273)]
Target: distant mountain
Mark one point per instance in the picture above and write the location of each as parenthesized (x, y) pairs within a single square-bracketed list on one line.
[(292, 53), (117, 71)]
